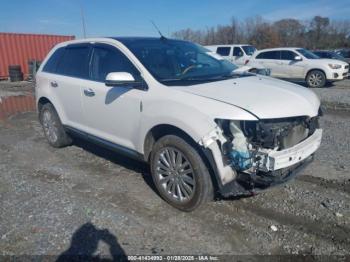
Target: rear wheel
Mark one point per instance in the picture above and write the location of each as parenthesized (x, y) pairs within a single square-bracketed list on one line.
[(316, 79), (179, 173), (53, 128)]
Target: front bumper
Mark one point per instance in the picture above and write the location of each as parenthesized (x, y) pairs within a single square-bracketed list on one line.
[(278, 168), (338, 74), (275, 160), (248, 185)]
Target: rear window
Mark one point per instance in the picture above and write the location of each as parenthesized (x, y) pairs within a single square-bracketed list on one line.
[(75, 62), (51, 64), (269, 55), (223, 51)]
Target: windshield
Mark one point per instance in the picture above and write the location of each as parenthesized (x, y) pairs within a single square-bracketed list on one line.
[(307, 54), (172, 61), (248, 49), (336, 56)]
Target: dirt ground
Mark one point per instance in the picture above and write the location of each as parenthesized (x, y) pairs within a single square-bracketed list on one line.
[(89, 200)]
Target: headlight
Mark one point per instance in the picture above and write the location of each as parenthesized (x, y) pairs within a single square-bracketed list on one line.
[(334, 66)]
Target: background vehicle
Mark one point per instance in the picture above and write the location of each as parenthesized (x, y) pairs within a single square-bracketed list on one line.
[(184, 111), (237, 54), (298, 64), (245, 68), (254, 70), (329, 54), (344, 53)]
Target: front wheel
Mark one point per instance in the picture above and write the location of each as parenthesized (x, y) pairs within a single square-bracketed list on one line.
[(179, 173), (316, 79)]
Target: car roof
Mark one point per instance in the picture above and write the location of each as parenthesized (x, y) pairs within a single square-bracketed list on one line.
[(121, 39), (323, 51), (279, 49), (226, 45)]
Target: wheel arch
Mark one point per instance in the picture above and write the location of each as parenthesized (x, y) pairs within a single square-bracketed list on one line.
[(42, 101), (315, 69), (160, 130)]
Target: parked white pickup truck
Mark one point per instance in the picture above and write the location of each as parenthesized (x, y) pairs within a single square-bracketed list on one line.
[(237, 54), (298, 64)]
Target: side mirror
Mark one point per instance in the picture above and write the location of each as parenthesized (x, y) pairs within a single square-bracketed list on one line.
[(298, 58), (123, 79), (240, 54), (119, 78)]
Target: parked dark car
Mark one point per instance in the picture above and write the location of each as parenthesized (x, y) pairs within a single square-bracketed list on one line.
[(344, 53), (330, 55)]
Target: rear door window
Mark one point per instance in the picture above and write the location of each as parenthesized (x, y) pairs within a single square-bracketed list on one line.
[(107, 59), (52, 62), (223, 51), (75, 61), (275, 55)]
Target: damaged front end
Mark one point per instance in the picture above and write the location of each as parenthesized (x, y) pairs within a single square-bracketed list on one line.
[(264, 153)]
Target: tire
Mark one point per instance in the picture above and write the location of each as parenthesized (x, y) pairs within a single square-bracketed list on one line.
[(316, 79), (53, 128), (16, 77), (190, 182)]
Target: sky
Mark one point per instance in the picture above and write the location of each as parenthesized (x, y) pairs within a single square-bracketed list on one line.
[(132, 17)]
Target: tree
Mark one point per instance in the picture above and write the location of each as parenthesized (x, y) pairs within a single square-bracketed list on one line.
[(317, 33), (290, 32)]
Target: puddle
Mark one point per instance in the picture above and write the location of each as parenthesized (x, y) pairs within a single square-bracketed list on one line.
[(12, 105)]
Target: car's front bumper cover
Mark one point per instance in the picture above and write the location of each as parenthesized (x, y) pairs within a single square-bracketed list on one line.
[(247, 184), (275, 160), (280, 167)]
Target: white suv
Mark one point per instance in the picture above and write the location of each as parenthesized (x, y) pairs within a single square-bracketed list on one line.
[(299, 64), (202, 128), (237, 54)]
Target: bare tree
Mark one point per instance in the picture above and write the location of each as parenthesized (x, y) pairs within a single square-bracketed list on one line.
[(319, 32)]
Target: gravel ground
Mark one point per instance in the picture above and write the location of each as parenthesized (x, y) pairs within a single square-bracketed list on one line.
[(336, 97), (86, 199)]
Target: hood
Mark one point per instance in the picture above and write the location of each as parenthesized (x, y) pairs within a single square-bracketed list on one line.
[(329, 61), (262, 96)]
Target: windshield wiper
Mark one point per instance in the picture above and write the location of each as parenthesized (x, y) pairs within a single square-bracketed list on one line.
[(215, 78), (186, 79)]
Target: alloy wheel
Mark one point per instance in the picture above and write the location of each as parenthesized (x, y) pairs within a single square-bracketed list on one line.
[(175, 174), (315, 79), (50, 127)]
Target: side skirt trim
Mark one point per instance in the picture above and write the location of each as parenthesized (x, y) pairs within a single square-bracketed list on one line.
[(104, 143)]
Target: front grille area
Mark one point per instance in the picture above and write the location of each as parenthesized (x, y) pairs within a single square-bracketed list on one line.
[(279, 133)]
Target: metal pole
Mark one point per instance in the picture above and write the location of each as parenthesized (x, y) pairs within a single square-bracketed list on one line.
[(82, 19)]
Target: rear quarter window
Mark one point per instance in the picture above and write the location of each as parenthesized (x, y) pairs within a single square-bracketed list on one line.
[(52, 62)]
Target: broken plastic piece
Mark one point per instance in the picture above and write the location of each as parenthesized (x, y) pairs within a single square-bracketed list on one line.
[(240, 155)]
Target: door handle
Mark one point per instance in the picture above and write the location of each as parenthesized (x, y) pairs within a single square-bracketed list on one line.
[(89, 92), (53, 84)]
